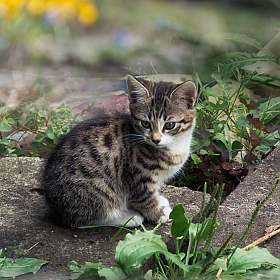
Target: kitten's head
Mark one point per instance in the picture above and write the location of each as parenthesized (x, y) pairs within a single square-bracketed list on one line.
[(163, 112)]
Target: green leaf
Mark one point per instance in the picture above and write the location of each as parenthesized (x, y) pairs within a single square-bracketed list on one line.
[(228, 62), (270, 107), (14, 267), (221, 137), (241, 121), (35, 145), (2, 149), (195, 158), (210, 92), (203, 152), (4, 141), (236, 145), (86, 270), (49, 133), (241, 38), (10, 121), (5, 127), (243, 260), (39, 138), (137, 247), (180, 222), (42, 114), (112, 273)]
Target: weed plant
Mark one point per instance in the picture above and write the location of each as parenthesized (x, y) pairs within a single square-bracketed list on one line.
[(233, 132), (193, 258)]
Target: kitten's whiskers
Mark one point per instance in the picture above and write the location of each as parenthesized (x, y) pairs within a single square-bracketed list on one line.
[(135, 138)]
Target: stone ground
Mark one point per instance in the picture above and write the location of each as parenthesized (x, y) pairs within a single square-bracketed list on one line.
[(25, 220)]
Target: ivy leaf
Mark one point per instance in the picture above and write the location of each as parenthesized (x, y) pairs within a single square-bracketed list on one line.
[(14, 267)]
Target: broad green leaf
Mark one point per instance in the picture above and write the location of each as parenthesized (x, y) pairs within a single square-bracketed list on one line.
[(149, 276), (241, 121), (203, 152), (4, 141), (39, 138), (5, 127), (42, 114), (14, 267), (49, 133), (86, 270), (210, 92), (243, 260), (137, 247), (112, 273), (272, 272), (35, 145), (236, 145), (180, 222), (10, 121), (221, 137), (2, 149)]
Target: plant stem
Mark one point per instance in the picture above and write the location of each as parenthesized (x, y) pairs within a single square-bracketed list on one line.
[(220, 251)]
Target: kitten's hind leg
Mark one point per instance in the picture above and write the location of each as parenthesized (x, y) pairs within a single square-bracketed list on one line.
[(120, 218)]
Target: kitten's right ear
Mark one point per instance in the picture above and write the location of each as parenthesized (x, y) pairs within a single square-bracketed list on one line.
[(137, 92)]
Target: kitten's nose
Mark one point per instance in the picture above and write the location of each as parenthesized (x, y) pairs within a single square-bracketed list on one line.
[(156, 141)]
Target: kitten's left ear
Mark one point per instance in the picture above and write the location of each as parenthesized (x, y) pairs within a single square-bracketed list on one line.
[(137, 92), (184, 96)]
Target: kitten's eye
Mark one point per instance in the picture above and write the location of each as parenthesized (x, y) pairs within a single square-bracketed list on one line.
[(169, 125), (145, 124)]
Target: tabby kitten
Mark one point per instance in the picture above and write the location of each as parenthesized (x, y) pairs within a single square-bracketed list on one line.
[(110, 168)]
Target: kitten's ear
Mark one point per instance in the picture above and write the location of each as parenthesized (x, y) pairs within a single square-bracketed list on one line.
[(184, 96), (137, 92)]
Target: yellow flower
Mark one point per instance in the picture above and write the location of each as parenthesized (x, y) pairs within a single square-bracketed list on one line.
[(88, 14), (10, 9), (68, 9), (36, 7)]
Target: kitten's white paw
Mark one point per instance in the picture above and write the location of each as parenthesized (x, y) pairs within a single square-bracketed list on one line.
[(165, 218), (136, 221), (120, 218), (163, 202)]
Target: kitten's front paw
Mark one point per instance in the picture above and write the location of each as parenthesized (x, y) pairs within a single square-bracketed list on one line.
[(135, 221), (165, 218), (163, 201)]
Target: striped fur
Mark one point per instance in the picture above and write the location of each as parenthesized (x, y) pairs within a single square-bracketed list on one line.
[(109, 169)]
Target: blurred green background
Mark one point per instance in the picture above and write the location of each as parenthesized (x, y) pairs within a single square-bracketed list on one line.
[(111, 38)]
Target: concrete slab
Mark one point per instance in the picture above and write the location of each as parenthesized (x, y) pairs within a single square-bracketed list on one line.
[(241, 203), (25, 221)]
